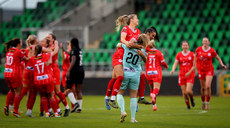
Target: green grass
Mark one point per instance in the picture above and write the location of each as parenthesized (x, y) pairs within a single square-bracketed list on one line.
[(171, 113)]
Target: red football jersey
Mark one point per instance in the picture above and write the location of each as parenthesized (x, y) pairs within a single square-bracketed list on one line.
[(66, 62), (130, 33), (42, 72), (154, 60), (54, 59), (204, 59), (185, 62), (13, 63)]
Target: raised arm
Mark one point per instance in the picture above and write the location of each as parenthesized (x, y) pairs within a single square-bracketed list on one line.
[(62, 52), (55, 48)]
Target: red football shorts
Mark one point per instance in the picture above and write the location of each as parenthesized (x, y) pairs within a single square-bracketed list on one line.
[(118, 57), (152, 77), (56, 75), (45, 88), (13, 82), (203, 74), (184, 80), (28, 77)]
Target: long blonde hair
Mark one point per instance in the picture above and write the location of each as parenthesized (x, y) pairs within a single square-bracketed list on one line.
[(143, 40), (124, 20), (31, 40)]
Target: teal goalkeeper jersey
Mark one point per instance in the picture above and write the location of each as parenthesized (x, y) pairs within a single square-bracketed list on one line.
[(131, 60)]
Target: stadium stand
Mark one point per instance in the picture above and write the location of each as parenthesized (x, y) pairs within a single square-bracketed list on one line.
[(178, 20)]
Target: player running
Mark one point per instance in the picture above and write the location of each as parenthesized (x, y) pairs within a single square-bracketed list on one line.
[(13, 74), (75, 75), (186, 62), (153, 69), (203, 58), (132, 71)]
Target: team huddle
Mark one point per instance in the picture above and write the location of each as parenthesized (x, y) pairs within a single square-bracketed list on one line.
[(135, 47), (35, 69)]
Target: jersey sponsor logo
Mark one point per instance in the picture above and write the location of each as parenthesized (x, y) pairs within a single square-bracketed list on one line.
[(8, 70), (42, 77), (152, 52), (152, 72), (29, 68), (120, 60), (127, 69)]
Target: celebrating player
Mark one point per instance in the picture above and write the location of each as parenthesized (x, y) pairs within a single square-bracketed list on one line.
[(185, 59), (128, 32), (132, 71), (56, 74), (203, 58), (13, 74), (43, 79), (153, 69)]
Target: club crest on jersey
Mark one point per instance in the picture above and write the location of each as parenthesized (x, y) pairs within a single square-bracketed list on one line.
[(190, 58), (209, 54)]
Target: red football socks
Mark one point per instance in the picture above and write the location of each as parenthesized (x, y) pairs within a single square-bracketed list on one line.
[(62, 98), (10, 98), (110, 87), (141, 89), (117, 85), (17, 100), (53, 103), (44, 103)]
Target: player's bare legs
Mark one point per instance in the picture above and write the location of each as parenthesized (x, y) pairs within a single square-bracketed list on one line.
[(190, 93), (185, 95), (202, 92), (208, 91)]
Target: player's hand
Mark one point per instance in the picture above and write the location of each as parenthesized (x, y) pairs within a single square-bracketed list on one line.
[(187, 74), (171, 72), (224, 66), (167, 67), (139, 52)]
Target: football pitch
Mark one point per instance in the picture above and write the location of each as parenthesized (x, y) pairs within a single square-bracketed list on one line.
[(171, 113)]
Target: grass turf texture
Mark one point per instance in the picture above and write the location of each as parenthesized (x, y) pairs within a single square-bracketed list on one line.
[(171, 112)]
